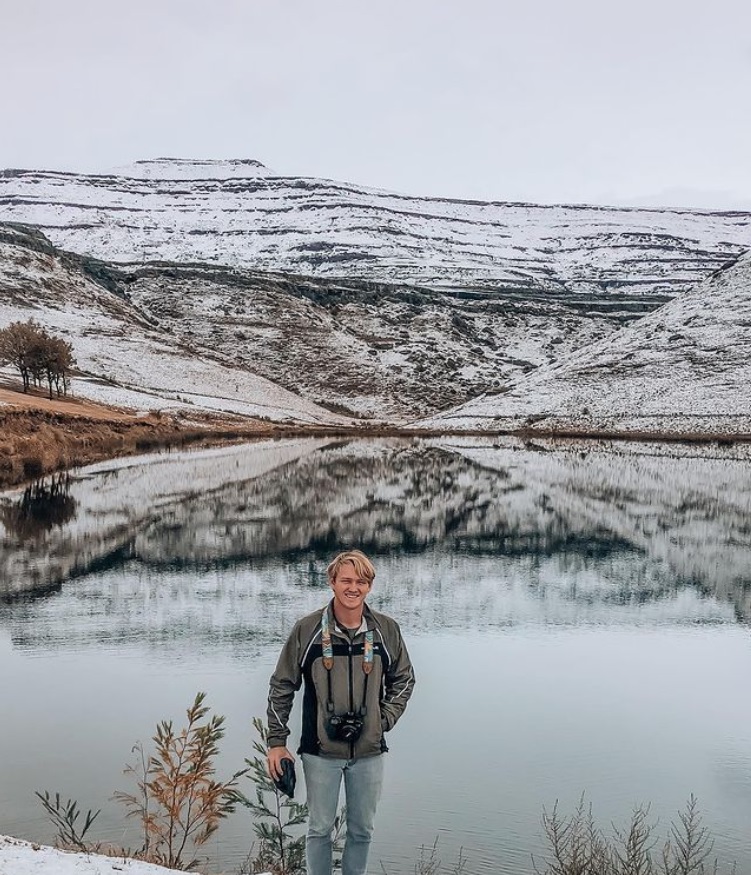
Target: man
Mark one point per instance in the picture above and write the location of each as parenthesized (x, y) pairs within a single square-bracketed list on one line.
[(358, 679)]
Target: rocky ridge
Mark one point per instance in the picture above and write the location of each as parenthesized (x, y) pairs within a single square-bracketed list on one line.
[(379, 306), (240, 214)]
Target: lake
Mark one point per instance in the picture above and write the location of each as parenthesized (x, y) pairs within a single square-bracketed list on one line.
[(578, 613)]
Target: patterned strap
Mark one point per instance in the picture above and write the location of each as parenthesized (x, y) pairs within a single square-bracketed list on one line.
[(367, 657), (328, 647)]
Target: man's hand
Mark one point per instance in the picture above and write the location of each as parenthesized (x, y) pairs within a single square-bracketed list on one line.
[(274, 759)]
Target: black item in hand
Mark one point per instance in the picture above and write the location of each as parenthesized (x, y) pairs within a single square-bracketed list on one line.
[(286, 784)]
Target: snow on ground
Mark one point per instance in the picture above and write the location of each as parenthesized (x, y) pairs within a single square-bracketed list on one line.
[(18, 857), (24, 858)]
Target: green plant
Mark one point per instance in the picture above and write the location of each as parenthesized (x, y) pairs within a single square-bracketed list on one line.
[(280, 850), (65, 817), (179, 803)]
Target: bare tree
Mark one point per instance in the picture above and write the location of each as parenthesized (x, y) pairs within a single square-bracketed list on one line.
[(37, 355), (16, 342)]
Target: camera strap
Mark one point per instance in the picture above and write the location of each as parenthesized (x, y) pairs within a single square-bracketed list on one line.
[(328, 657)]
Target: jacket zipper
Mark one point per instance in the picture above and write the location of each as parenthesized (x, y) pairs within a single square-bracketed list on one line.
[(351, 699)]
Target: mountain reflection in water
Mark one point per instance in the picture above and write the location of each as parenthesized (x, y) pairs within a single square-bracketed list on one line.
[(601, 584), (651, 519)]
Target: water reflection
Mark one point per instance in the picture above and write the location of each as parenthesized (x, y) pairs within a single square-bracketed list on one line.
[(651, 520), (44, 505), (598, 587)]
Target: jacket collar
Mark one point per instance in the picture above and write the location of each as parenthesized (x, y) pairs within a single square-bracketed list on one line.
[(368, 621)]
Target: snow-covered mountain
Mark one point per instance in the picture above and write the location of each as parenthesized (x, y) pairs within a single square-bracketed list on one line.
[(126, 357), (373, 350), (378, 305), (683, 368), (238, 213)]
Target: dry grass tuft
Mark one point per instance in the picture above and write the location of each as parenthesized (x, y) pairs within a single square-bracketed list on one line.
[(34, 443)]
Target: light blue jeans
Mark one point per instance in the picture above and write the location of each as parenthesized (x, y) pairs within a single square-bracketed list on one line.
[(363, 779)]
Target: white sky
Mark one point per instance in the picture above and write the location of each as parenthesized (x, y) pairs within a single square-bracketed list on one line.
[(540, 100)]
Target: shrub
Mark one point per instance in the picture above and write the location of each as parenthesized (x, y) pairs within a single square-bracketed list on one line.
[(178, 803), (578, 847), (280, 850)]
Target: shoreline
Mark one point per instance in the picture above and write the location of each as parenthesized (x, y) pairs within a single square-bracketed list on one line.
[(39, 437), (36, 443)]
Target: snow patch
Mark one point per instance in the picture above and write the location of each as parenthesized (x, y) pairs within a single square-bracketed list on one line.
[(193, 168), (18, 857)]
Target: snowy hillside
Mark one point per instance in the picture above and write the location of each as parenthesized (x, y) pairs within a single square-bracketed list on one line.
[(238, 213), (378, 351), (127, 359), (683, 368), (375, 305)]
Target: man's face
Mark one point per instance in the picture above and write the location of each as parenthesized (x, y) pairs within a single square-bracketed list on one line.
[(349, 588)]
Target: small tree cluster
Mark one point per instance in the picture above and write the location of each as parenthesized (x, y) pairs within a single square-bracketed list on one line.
[(37, 355)]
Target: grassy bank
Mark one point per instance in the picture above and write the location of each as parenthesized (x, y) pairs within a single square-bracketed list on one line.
[(40, 436), (38, 442)]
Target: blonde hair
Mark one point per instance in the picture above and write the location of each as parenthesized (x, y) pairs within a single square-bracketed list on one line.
[(363, 566)]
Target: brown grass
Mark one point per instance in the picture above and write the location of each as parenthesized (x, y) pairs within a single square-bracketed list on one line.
[(39, 436), (38, 442)]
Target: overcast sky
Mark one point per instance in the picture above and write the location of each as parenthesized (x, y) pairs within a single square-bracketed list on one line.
[(548, 101)]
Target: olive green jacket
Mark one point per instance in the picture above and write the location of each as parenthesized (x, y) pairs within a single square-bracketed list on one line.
[(379, 698)]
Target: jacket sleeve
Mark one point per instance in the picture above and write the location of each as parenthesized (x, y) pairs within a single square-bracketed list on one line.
[(284, 683), (400, 681)]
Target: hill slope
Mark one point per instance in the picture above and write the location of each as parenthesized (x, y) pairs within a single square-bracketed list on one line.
[(375, 350), (126, 357), (374, 304), (685, 367)]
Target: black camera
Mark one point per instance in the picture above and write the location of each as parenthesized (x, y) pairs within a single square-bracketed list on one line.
[(345, 727)]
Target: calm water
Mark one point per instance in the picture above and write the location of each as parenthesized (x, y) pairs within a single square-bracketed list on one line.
[(578, 616)]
